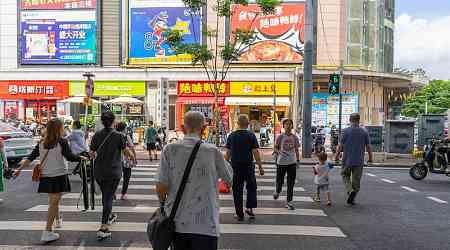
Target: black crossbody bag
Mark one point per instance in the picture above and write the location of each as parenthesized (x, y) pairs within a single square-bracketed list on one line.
[(161, 228)]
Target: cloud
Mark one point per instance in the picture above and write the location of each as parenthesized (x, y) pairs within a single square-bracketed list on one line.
[(423, 43)]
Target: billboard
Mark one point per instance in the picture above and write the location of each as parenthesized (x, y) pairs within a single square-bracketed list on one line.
[(279, 37), (34, 90), (57, 5), (260, 88), (325, 108), (109, 88), (202, 88), (147, 22)]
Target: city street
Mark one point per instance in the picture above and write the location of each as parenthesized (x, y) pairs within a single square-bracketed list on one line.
[(392, 212)]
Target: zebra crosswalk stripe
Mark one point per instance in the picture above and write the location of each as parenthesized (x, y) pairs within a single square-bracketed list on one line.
[(260, 188)]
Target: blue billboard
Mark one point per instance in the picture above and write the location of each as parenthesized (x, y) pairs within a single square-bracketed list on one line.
[(58, 37), (146, 27)]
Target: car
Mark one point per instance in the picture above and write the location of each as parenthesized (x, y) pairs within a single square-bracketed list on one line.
[(18, 143)]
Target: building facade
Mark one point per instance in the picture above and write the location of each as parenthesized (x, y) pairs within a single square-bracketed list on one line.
[(120, 43)]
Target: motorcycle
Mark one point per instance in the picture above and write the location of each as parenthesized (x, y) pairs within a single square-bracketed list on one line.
[(264, 136), (318, 143), (334, 140), (436, 158)]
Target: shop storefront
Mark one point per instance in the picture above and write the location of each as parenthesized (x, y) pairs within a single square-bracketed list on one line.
[(105, 91), (263, 102), (31, 100), (199, 96)]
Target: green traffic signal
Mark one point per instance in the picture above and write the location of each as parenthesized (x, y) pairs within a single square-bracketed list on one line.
[(334, 84)]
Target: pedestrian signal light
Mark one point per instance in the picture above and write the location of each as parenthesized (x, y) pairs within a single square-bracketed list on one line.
[(334, 84)]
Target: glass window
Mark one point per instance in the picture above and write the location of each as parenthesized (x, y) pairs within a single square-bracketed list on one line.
[(354, 55), (355, 32), (356, 9)]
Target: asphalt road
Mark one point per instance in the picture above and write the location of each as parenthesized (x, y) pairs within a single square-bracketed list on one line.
[(392, 212)]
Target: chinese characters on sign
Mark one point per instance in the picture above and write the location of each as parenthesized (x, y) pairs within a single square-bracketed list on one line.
[(58, 4), (260, 88), (203, 88), (163, 103), (34, 89)]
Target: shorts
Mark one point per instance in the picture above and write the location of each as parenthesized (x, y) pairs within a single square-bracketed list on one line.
[(151, 146), (323, 188), (57, 184)]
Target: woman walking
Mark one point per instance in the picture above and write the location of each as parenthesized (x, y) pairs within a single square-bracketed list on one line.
[(127, 164), (288, 157), (3, 166), (53, 151)]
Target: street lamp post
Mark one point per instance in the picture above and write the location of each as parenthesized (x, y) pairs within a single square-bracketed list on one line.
[(89, 93)]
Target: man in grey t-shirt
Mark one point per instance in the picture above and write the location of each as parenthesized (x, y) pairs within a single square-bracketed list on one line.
[(353, 142)]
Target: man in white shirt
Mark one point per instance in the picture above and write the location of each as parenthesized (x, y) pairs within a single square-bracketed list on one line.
[(197, 218)]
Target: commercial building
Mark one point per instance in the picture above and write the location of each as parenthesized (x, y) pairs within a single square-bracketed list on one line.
[(120, 42)]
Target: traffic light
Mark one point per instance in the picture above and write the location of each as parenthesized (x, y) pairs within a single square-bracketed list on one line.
[(334, 84)]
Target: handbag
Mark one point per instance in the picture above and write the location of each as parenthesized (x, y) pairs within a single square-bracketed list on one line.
[(37, 170), (223, 187), (161, 228)]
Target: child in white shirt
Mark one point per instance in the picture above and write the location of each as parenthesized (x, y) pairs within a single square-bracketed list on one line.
[(321, 177)]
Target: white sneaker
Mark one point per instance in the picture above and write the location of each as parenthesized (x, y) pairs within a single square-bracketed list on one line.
[(58, 223), (1, 201), (49, 236), (290, 206)]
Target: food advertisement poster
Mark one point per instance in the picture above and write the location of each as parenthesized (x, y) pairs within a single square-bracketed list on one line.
[(279, 37), (147, 22), (325, 108), (57, 4), (58, 37)]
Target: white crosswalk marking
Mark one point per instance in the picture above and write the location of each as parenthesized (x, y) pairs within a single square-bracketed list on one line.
[(258, 179), (260, 188), (140, 173)]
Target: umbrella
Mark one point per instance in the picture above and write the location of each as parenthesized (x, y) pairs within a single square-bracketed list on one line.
[(125, 99), (76, 99)]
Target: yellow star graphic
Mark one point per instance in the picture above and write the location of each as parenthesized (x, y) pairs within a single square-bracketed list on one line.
[(182, 26)]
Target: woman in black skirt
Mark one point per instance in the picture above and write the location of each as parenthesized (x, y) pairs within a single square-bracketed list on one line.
[(51, 152)]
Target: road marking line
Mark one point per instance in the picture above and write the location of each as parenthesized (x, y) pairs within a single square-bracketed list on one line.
[(142, 228), (149, 210), (133, 179), (388, 181), (437, 200), (140, 173), (156, 169), (154, 197), (371, 175), (409, 189), (260, 188)]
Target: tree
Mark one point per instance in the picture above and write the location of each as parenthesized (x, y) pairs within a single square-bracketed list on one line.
[(436, 96), (215, 56)]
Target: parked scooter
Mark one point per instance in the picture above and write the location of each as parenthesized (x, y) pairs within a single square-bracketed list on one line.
[(436, 158)]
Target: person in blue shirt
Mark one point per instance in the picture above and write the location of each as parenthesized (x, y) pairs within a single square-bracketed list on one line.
[(150, 139)]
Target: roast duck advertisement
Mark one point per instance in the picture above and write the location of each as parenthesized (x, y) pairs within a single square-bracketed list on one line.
[(279, 37)]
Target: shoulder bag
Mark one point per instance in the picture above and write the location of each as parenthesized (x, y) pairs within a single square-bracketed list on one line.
[(37, 170), (160, 228)]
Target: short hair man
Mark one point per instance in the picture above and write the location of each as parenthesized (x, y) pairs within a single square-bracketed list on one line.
[(353, 142), (150, 137), (241, 148), (197, 219)]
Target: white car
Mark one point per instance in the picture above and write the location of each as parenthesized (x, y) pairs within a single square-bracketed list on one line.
[(18, 143)]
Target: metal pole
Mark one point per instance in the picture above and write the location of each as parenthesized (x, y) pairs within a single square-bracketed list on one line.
[(308, 79), (341, 76)]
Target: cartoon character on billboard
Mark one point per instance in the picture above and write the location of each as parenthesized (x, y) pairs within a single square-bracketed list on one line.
[(155, 38), (51, 45)]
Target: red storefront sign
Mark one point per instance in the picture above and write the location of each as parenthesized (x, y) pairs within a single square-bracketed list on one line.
[(57, 4), (34, 90), (202, 88)]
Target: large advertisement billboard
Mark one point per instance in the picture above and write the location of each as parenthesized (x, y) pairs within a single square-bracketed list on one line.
[(58, 32), (279, 37), (325, 108), (147, 22)]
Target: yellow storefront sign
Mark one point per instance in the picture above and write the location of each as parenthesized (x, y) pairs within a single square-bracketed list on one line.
[(109, 88), (260, 88)]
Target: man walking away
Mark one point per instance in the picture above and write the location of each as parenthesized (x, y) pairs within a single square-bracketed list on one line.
[(353, 142), (197, 218), (288, 157), (241, 148), (150, 140)]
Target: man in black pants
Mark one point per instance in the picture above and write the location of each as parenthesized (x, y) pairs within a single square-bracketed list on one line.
[(107, 146), (242, 146)]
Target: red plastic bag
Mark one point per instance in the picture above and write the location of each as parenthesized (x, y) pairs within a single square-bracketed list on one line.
[(223, 187)]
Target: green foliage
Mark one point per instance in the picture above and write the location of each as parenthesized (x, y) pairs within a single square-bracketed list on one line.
[(229, 53), (200, 53), (437, 96), (195, 5), (268, 6)]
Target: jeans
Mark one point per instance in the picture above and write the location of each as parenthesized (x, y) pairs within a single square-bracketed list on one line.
[(244, 175), (184, 241), (352, 178), (126, 179), (108, 188), (291, 171)]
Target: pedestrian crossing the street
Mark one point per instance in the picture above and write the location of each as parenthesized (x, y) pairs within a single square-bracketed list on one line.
[(274, 224)]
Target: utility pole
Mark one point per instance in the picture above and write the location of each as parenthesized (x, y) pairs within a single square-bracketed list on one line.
[(308, 78), (341, 82)]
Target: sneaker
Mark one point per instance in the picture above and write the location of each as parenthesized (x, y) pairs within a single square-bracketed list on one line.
[(329, 203), (48, 236), (103, 234), (58, 223), (276, 195), (239, 218), (290, 206), (1, 201), (250, 213), (316, 198), (351, 198), (112, 219)]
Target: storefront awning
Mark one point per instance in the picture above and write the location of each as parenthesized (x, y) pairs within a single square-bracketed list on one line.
[(257, 101), (199, 100)]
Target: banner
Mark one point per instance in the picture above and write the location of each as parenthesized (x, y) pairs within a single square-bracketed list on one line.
[(279, 37), (260, 88), (162, 115), (147, 22), (34, 90), (325, 108), (57, 4), (58, 37), (109, 88), (202, 88)]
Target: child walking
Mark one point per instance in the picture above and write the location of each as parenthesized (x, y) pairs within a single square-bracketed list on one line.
[(321, 178)]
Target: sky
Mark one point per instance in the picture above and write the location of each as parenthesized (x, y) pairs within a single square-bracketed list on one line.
[(422, 36)]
